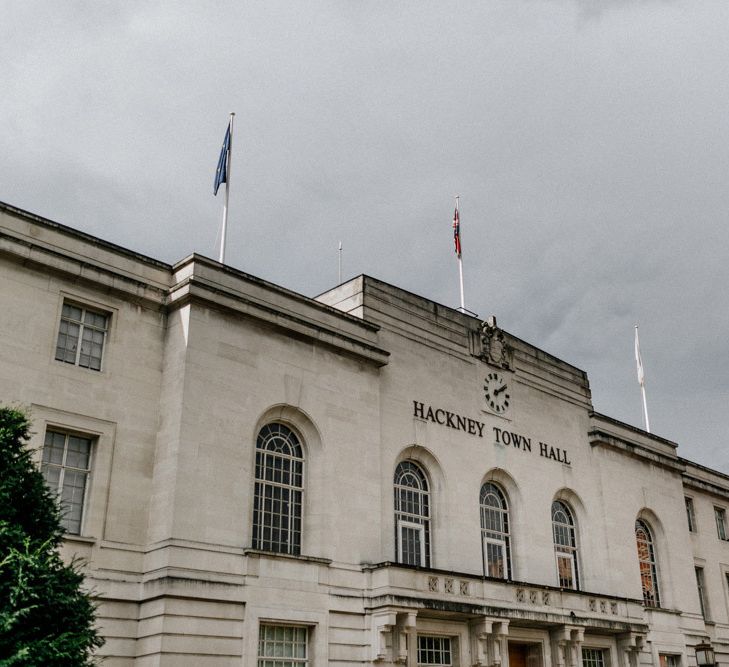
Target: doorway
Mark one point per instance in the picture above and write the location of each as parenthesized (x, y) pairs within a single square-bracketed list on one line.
[(525, 655)]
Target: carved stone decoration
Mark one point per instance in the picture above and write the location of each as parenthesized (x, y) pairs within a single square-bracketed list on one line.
[(492, 347), (488, 642), (407, 635), (394, 631), (630, 646), (383, 640), (567, 646)]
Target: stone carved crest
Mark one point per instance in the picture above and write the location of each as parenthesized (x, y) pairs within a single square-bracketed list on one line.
[(493, 346)]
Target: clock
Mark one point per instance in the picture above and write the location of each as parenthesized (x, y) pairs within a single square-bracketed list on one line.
[(496, 392)]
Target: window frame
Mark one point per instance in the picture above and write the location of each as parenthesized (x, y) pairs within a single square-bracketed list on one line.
[(452, 649), (648, 567), (86, 307), (63, 468), (490, 541), (564, 551), (669, 660), (720, 519), (405, 519), (604, 654), (402, 524), (275, 660), (261, 484), (489, 536), (701, 590), (690, 514)]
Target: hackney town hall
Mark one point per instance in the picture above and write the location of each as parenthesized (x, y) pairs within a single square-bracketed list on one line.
[(255, 477)]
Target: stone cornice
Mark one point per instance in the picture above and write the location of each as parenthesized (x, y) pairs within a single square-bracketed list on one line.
[(601, 438), (97, 274), (307, 319)]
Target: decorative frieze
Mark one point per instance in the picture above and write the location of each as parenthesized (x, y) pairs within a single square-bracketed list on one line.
[(602, 606), (451, 585)]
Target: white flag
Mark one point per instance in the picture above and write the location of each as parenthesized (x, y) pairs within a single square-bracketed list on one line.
[(638, 360)]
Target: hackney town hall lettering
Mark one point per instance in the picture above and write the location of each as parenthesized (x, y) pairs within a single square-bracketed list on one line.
[(473, 427)]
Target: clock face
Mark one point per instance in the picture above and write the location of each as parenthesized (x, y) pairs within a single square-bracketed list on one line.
[(496, 393)]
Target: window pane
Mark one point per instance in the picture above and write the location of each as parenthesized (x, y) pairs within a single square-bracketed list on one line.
[(411, 545), (78, 452), (593, 657), (647, 564), (65, 468), (565, 545), (702, 592), (720, 516), (287, 645), (668, 660), (495, 561), (565, 571), (53, 447), (81, 337), (278, 493), (690, 517), (412, 506), (52, 476), (71, 312), (434, 651), (68, 334)]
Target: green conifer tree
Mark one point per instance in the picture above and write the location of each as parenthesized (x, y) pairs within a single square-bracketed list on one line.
[(46, 618)]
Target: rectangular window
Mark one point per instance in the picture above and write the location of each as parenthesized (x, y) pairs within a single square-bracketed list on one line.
[(690, 515), (593, 657), (566, 570), (65, 466), (412, 543), (434, 651), (720, 516), (282, 646), (81, 336), (702, 592), (495, 554), (669, 660)]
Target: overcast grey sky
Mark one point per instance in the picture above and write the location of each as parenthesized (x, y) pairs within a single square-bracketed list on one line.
[(588, 139)]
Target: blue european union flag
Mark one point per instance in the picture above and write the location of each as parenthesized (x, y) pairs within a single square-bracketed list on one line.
[(221, 173)]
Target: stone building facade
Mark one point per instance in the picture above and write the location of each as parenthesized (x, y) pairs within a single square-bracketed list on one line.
[(255, 477)]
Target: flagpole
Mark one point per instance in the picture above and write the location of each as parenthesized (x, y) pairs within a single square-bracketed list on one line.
[(460, 262), (340, 263), (227, 191), (641, 380)]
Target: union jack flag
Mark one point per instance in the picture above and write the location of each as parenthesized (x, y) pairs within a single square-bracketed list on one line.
[(457, 232)]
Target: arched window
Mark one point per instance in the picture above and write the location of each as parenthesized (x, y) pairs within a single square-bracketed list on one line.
[(565, 545), (412, 515), (279, 489), (647, 562), (495, 532)]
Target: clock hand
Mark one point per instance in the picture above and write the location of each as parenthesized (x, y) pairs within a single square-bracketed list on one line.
[(499, 390)]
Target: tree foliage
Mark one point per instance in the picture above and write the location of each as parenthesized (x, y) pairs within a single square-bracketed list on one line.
[(46, 618)]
